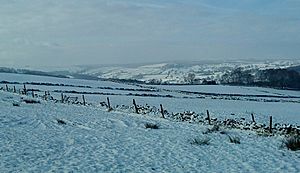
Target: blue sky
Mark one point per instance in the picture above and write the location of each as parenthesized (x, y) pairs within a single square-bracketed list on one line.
[(70, 32)]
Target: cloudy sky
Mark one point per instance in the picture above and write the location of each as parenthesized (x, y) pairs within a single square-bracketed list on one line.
[(70, 32)]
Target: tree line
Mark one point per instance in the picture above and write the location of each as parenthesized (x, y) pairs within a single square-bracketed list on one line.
[(275, 78)]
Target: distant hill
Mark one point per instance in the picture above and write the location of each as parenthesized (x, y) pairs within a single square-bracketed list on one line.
[(178, 72), (31, 72), (276, 74)]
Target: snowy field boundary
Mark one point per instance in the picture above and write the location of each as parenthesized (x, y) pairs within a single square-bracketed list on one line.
[(41, 134), (270, 129)]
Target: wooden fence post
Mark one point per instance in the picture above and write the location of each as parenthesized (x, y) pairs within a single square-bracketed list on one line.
[(135, 106), (25, 90), (6, 88), (62, 97), (15, 89), (253, 120), (32, 93), (162, 111), (108, 103), (208, 117), (270, 124), (45, 95), (83, 99)]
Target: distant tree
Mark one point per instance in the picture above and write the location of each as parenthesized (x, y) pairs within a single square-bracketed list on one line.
[(209, 82), (190, 78), (278, 78), (238, 76), (281, 78), (155, 81)]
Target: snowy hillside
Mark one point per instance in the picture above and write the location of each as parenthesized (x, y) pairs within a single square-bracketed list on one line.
[(177, 72), (50, 133), (94, 140), (160, 73)]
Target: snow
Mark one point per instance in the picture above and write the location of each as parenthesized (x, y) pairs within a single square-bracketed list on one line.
[(32, 78), (176, 72), (284, 110), (96, 140), (222, 109), (217, 89)]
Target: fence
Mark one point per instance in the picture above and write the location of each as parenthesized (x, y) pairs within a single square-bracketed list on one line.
[(185, 116)]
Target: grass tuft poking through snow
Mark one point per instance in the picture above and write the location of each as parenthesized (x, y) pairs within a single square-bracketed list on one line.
[(292, 142), (198, 141), (151, 126), (61, 122), (234, 139), (215, 128), (16, 104)]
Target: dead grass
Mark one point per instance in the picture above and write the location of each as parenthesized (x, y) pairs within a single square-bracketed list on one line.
[(292, 142), (199, 141), (151, 126)]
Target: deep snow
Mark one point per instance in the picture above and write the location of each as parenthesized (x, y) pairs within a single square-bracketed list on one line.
[(94, 140), (33, 139)]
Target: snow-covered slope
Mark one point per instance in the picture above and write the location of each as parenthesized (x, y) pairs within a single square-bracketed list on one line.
[(176, 72), (52, 136), (170, 73), (55, 137)]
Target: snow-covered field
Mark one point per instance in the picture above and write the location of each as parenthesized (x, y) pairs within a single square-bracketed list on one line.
[(59, 137), (230, 90), (239, 103)]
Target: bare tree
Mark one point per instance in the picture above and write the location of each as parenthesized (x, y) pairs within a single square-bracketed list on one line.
[(190, 78)]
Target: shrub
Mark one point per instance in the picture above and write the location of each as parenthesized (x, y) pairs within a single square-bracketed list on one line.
[(31, 101), (151, 126), (292, 142), (223, 132), (234, 139), (16, 104), (198, 141), (61, 122)]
